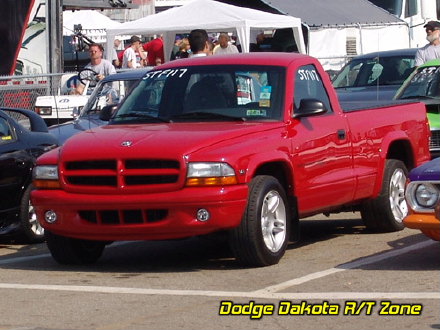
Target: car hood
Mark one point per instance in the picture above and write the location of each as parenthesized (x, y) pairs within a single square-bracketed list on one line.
[(164, 140), (367, 93), (64, 131), (429, 171)]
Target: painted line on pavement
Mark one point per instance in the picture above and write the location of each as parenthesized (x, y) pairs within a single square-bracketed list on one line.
[(269, 292), (344, 267), (227, 294)]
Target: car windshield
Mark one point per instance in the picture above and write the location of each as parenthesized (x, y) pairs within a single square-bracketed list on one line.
[(391, 70), (107, 93), (425, 82), (205, 93)]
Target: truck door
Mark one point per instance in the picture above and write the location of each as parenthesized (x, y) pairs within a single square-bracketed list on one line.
[(321, 149)]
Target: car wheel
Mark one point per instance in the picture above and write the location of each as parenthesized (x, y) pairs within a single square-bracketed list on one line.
[(71, 251), (30, 230), (386, 212), (263, 234)]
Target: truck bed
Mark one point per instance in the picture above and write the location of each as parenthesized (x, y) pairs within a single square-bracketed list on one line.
[(349, 106)]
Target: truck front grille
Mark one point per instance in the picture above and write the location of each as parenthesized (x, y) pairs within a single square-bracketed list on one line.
[(434, 142), (120, 217), (120, 174)]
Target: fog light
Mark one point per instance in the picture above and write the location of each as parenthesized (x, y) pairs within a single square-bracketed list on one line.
[(203, 215), (50, 216)]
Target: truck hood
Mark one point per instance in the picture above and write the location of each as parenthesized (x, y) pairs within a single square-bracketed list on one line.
[(156, 140), (367, 93), (62, 101), (64, 131)]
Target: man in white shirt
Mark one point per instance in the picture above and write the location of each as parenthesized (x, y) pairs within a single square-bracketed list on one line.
[(224, 46), (432, 50), (129, 60), (101, 66)]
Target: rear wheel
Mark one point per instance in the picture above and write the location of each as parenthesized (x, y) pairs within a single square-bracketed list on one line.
[(386, 212), (263, 234), (72, 251)]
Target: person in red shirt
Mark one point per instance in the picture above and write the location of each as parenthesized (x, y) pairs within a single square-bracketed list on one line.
[(154, 49)]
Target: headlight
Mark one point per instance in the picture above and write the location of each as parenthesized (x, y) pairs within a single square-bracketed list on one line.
[(422, 196), (426, 195), (45, 111), (46, 177), (203, 174)]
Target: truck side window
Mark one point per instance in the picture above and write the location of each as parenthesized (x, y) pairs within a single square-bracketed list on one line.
[(308, 85)]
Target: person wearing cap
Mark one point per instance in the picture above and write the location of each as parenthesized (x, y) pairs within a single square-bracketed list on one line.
[(430, 51), (129, 59)]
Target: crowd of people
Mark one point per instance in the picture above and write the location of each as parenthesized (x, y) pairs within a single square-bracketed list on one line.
[(198, 43)]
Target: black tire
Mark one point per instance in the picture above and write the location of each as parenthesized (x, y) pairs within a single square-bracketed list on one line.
[(385, 213), (30, 229), (252, 245), (71, 251)]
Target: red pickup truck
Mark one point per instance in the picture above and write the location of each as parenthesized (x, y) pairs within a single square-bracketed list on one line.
[(248, 143)]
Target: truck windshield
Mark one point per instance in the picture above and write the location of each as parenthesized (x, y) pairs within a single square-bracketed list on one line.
[(425, 82), (387, 70), (205, 93), (392, 6)]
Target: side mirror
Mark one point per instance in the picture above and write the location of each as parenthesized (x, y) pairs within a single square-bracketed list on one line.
[(107, 112), (309, 107)]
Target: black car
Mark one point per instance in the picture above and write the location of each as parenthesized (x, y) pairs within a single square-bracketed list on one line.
[(23, 137)]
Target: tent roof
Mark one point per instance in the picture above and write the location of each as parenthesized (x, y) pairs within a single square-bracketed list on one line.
[(204, 14), (89, 20), (317, 13)]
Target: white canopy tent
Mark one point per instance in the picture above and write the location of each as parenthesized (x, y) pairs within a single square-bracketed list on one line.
[(210, 15), (94, 24)]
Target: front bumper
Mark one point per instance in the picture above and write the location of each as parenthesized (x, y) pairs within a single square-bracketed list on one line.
[(427, 223), (159, 216)]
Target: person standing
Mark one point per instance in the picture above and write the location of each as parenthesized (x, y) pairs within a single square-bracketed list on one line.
[(129, 59), (430, 51), (198, 41), (224, 46), (154, 49), (101, 66)]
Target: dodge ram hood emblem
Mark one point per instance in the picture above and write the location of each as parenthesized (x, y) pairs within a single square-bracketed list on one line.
[(126, 143)]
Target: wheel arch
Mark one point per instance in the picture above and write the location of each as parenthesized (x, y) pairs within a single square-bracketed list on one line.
[(398, 148), (283, 172)]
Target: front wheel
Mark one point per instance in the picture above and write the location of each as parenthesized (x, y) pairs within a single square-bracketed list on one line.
[(30, 229), (263, 234), (386, 212), (72, 251)]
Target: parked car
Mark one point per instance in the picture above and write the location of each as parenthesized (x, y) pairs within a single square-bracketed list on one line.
[(23, 137), (190, 151), (110, 91), (423, 198), (424, 85), (374, 76)]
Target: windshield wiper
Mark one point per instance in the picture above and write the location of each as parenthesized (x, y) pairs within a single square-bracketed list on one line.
[(206, 115), (138, 115)]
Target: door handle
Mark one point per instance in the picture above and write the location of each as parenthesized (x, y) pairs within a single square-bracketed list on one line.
[(341, 134)]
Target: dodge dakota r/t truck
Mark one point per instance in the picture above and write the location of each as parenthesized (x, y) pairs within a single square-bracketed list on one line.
[(247, 143)]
